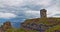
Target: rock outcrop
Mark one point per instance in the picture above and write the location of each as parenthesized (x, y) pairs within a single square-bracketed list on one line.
[(6, 25)]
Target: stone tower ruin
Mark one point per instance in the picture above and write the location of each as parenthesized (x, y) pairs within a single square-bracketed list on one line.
[(43, 13)]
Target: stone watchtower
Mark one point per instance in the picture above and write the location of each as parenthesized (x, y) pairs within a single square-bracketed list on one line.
[(43, 13)]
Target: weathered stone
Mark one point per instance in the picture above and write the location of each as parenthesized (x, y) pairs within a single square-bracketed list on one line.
[(1, 30), (6, 25)]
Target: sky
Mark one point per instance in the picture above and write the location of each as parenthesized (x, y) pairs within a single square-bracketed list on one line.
[(19, 10)]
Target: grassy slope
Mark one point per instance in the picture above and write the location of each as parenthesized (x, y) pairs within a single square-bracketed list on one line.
[(19, 30), (55, 21)]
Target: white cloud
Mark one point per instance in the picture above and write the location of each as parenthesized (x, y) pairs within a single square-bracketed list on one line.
[(53, 10), (56, 16), (43, 3), (7, 15), (32, 14), (22, 2), (11, 2)]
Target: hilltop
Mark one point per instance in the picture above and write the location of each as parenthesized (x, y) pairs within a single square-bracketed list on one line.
[(42, 24)]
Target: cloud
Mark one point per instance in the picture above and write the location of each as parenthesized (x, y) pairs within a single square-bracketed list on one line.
[(40, 2), (53, 9), (7, 15), (32, 14), (11, 2), (25, 2)]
